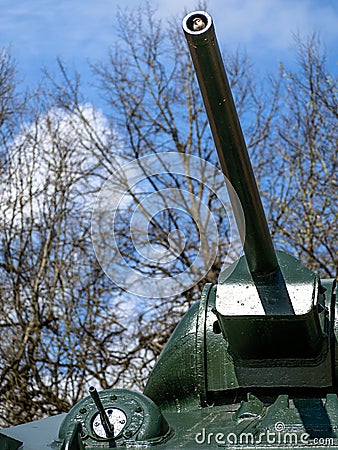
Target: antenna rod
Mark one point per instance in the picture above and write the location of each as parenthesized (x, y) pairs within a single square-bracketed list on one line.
[(108, 428)]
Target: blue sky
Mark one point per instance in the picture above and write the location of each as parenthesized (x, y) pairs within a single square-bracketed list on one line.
[(39, 31)]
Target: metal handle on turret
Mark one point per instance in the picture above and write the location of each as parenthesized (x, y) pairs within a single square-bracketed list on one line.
[(229, 140)]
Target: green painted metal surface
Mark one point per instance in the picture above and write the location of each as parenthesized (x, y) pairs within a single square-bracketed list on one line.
[(36, 435), (8, 443), (282, 421), (253, 364)]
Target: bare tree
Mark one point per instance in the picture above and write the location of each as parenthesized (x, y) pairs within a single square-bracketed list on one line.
[(11, 102), (59, 328), (303, 176), (156, 106)]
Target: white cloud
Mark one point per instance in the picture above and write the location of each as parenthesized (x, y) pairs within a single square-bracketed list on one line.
[(78, 30), (265, 27), (77, 22), (57, 150)]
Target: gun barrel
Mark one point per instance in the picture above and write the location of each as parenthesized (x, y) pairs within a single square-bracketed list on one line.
[(229, 140)]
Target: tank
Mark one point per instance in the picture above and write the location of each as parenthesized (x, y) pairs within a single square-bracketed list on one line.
[(252, 364)]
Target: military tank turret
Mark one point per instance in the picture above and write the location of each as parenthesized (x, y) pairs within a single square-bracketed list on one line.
[(253, 363)]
